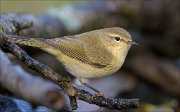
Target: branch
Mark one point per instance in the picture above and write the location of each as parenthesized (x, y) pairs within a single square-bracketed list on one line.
[(65, 84)]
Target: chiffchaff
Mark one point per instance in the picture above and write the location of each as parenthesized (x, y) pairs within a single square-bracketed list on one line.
[(88, 55)]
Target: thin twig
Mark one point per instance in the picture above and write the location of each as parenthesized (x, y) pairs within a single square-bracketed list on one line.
[(73, 102)]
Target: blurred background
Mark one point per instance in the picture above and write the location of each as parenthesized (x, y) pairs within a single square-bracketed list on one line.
[(151, 71)]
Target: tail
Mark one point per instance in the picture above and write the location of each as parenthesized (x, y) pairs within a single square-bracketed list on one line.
[(44, 44), (34, 42)]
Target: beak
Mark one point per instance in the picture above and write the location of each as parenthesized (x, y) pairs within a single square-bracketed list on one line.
[(134, 43), (131, 43)]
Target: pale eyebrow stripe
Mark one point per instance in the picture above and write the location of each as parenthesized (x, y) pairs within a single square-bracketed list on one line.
[(114, 35)]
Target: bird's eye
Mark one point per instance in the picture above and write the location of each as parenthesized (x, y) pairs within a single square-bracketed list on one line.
[(117, 38)]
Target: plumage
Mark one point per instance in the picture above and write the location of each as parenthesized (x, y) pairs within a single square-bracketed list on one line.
[(87, 55)]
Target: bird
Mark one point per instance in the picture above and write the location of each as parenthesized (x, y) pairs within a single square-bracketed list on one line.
[(87, 55)]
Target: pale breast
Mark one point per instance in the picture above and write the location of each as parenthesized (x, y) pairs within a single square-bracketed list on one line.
[(79, 69)]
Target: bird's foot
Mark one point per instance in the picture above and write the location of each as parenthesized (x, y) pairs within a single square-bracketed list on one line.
[(82, 81)]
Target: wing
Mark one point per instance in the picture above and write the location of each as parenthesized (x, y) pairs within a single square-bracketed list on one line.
[(73, 47), (97, 52)]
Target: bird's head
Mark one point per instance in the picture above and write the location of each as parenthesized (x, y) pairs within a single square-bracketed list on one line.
[(116, 39)]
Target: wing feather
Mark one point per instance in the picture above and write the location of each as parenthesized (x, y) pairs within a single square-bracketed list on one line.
[(73, 47)]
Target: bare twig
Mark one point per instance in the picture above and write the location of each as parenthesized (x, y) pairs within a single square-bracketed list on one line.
[(66, 85), (73, 102)]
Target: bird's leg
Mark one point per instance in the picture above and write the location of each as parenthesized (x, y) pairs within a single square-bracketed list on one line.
[(82, 81)]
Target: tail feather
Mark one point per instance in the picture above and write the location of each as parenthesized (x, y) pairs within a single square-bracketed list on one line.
[(35, 42)]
